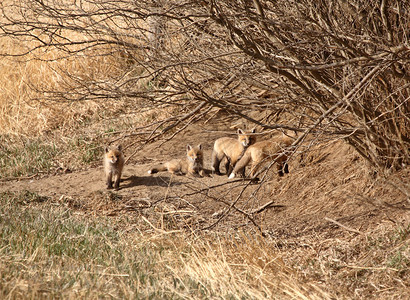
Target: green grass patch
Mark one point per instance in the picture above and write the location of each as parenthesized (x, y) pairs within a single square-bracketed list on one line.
[(89, 150), (26, 156), (58, 255), (400, 258), (41, 155)]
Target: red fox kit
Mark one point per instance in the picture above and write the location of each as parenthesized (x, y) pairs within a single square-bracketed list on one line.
[(232, 149), (113, 165), (192, 165), (256, 154)]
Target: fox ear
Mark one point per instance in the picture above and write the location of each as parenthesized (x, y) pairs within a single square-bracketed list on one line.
[(200, 146), (119, 147), (106, 149), (188, 147), (253, 130), (240, 131)]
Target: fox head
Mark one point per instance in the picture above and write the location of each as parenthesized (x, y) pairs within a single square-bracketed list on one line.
[(245, 137), (113, 154), (195, 154)]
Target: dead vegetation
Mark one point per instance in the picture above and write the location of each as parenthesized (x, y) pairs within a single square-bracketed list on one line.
[(157, 75), (330, 68), (305, 235)]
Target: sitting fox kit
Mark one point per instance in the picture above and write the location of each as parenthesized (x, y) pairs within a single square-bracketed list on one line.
[(232, 149), (192, 165), (270, 150), (113, 165)]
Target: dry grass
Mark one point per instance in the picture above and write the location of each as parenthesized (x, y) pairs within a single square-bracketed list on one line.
[(48, 251), (67, 248), (54, 248), (33, 124), (23, 111), (25, 105)]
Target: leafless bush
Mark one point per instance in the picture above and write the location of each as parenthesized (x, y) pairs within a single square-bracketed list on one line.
[(338, 68)]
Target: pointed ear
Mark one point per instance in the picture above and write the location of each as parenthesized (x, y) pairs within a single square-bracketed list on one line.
[(253, 130), (107, 149), (188, 147), (200, 146), (240, 131), (119, 147)]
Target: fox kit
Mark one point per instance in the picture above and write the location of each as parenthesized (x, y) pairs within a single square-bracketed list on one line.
[(256, 154), (232, 149), (113, 165), (192, 165)]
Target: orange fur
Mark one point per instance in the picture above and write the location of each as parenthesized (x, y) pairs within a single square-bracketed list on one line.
[(270, 150), (232, 149), (192, 165), (113, 165)]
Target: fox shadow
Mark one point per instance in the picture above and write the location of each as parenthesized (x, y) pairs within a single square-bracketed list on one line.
[(162, 181)]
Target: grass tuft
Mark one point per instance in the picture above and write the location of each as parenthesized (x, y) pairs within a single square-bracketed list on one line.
[(25, 156)]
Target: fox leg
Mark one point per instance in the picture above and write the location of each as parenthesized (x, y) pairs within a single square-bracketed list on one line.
[(199, 173), (117, 181), (254, 168), (109, 180), (216, 160), (242, 172), (240, 166), (229, 166)]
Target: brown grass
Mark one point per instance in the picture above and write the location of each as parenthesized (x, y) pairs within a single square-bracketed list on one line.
[(30, 115), (54, 252), (316, 262), (26, 107)]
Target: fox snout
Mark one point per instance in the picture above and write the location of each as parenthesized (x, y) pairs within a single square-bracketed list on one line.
[(194, 158), (113, 160)]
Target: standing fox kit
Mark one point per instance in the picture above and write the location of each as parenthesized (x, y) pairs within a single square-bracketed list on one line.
[(192, 165), (270, 150), (232, 149), (113, 165)]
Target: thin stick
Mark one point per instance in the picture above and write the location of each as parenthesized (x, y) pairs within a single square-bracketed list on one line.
[(344, 226), (265, 206)]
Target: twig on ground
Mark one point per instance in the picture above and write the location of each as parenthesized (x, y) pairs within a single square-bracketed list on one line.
[(265, 206), (344, 226)]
